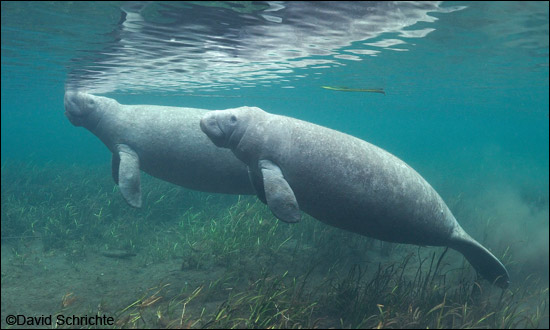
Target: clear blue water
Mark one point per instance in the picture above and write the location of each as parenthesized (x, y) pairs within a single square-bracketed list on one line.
[(466, 84), (472, 80)]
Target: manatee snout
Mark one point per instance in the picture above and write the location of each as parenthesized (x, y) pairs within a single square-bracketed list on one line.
[(71, 111), (75, 109), (210, 126)]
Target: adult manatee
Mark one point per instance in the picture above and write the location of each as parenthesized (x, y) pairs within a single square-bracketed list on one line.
[(343, 181), (165, 142)]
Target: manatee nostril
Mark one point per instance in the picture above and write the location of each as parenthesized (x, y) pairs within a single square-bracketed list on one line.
[(204, 123), (233, 119)]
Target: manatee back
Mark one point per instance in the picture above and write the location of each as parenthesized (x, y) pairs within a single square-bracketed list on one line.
[(171, 147), (352, 184)]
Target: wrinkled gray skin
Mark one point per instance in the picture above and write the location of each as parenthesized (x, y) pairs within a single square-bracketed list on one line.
[(165, 142), (343, 181)]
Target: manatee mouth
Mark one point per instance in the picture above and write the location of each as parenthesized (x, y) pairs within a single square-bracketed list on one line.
[(210, 127), (74, 120), (72, 110)]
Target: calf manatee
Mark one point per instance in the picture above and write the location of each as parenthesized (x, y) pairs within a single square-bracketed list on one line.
[(165, 142), (343, 181)]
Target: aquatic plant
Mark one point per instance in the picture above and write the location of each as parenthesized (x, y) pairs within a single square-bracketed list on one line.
[(226, 262)]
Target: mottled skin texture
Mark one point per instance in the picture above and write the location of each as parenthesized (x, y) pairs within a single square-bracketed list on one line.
[(342, 181), (165, 142)]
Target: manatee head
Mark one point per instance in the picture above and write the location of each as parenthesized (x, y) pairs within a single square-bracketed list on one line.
[(83, 109), (227, 127)]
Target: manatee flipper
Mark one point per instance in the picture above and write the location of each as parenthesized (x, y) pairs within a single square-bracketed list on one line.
[(258, 185), (280, 197), (481, 259), (128, 175), (115, 164)]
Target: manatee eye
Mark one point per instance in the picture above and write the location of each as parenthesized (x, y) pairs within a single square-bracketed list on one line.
[(233, 119)]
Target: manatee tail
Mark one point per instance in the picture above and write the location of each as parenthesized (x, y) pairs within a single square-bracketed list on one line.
[(481, 259)]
